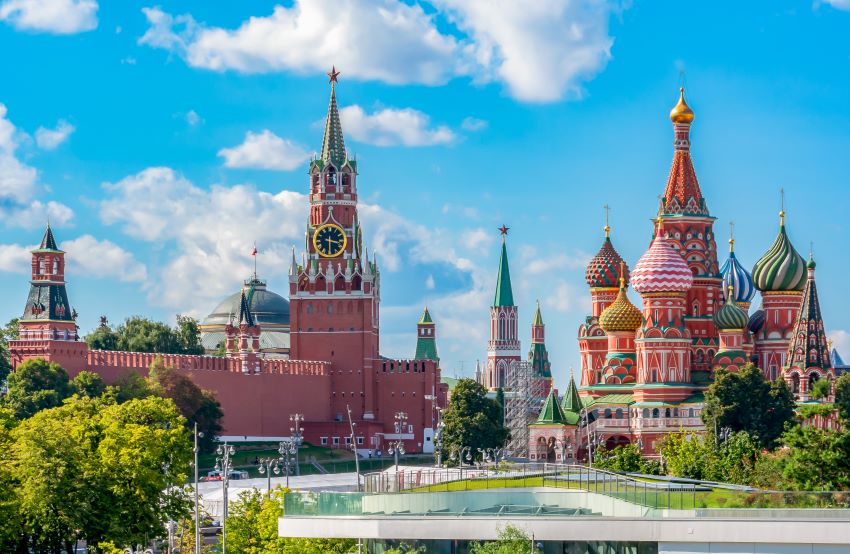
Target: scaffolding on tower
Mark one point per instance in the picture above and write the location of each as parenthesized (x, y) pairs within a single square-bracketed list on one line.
[(525, 393)]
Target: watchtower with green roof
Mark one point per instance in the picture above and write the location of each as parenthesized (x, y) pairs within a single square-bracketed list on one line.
[(538, 356), (426, 338), (503, 349)]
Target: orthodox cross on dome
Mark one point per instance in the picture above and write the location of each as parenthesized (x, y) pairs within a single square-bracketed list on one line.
[(607, 227), (781, 206), (504, 230), (731, 236), (333, 75)]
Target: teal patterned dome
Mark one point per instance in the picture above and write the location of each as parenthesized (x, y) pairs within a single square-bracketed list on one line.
[(730, 316), (781, 268)]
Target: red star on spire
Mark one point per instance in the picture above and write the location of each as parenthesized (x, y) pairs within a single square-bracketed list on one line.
[(333, 75), (504, 230)]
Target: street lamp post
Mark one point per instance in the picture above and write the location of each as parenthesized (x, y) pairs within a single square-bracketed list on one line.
[(224, 465), (461, 454), (352, 425), (196, 450), (438, 442), (269, 465), (297, 437), (397, 446)]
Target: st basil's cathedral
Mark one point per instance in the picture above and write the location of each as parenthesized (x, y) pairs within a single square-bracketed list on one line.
[(644, 368)]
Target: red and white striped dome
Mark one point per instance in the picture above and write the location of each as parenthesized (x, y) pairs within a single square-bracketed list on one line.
[(661, 269)]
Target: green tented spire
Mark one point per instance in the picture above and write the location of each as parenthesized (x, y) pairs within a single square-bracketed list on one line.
[(504, 294), (426, 317), (552, 412), (333, 145), (426, 338), (572, 402), (48, 242), (538, 318)]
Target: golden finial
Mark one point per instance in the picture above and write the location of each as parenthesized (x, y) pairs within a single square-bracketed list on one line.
[(731, 236), (607, 227), (782, 207), (622, 275), (660, 219), (681, 112), (731, 290)]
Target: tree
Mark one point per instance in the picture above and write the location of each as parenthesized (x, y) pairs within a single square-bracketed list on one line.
[(472, 419), (745, 401), (10, 522), (7, 333), (189, 334), (842, 397), (626, 459), (99, 471), (196, 405), (139, 334), (36, 385), (130, 386), (103, 338), (88, 383), (512, 540), (818, 459), (821, 388)]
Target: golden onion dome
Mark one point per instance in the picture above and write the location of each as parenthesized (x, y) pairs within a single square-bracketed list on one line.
[(682, 113), (621, 315)]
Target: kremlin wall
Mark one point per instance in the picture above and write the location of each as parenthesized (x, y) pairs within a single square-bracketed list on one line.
[(317, 355)]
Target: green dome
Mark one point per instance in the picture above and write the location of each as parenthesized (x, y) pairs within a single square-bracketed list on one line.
[(730, 316), (269, 308), (781, 268)]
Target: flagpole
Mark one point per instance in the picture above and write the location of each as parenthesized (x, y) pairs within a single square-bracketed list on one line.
[(255, 260)]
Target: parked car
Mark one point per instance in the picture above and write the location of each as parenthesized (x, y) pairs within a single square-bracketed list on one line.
[(238, 474), (213, 475)]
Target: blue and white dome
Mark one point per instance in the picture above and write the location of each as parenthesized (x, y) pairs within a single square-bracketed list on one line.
[(734, 275)]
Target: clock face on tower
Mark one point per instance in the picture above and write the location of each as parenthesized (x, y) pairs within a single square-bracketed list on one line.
[(329, 240)]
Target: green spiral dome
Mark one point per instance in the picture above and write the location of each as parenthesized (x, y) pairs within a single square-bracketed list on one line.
[(781, 268), (730, 316)]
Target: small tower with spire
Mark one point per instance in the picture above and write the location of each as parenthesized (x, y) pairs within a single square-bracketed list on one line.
[(808, 356), (242, 338), (503, 349), (538, 356), (426, 338), (48, 328)]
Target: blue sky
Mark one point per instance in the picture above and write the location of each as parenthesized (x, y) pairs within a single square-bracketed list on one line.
[(163, 139)]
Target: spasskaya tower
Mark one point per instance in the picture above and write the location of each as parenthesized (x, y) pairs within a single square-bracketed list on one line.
[(334, 288)]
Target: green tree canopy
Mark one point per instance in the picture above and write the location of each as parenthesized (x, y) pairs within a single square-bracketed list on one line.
[(819, 459), (7, 333), (139, 334), (842, 397), (98, 471), (512, 540), (821, 388), (88, 383), (196, 405), (745, 401), (36, 385), (626, 459), (472, 419)]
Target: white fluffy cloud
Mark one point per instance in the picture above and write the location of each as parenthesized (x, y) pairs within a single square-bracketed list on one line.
[(390, 127), (103, 259), (542, 51), (15, 258), (49, 139), (212, 232), (838, 4), (19, 185), (385, 40), (61, 17), (473, 124), (265, 150)]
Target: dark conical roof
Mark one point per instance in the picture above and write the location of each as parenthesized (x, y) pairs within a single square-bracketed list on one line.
[(245, 315), (48, 242), (808, 346)]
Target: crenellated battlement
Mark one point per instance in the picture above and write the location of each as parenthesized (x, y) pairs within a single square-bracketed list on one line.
[(403, 366), (98, 360)]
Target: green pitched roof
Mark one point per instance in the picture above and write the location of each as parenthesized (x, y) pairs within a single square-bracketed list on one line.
[(571, 402), (48, 242), (504, 294), (538, 318), (551, 412), (426, 318), (613, 399)]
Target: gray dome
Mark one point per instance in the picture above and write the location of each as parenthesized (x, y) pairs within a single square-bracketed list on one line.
[(269, 308)]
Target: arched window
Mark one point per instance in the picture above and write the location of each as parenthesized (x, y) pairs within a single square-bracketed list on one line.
[(695, 309), (690, 412), (646, 413), (655, 413), (666, 412), (55, 266), (607, 413), (309, 308), (41, 266), (795, 384), (618, 414)]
